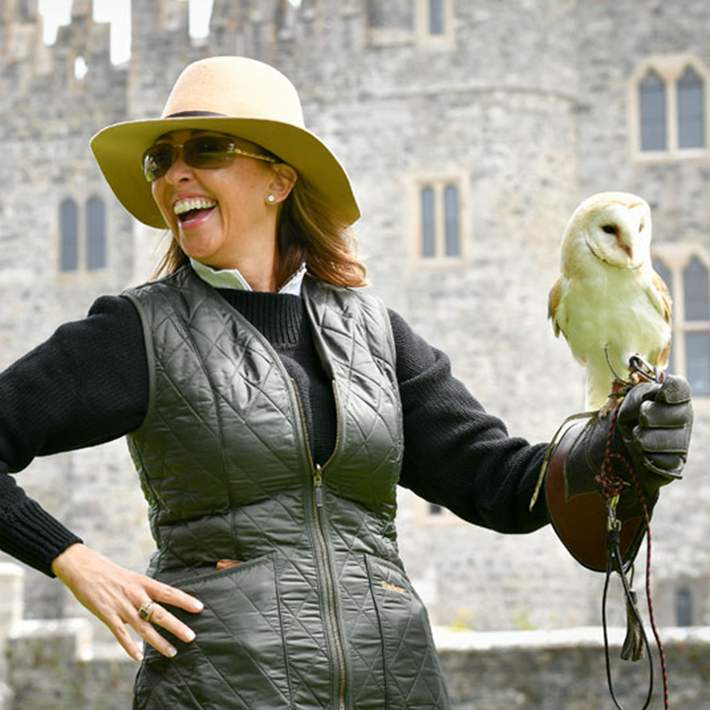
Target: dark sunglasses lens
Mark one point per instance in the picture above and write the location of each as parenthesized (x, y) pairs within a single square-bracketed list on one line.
[(157, 161), (208, 151)]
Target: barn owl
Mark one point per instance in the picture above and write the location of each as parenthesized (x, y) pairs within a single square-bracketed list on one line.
[(609, 303)]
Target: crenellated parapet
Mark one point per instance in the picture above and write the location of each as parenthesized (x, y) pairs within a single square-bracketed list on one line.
[(78, 63)]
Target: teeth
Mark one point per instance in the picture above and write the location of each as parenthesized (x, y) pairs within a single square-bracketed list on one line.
[(192, 203)]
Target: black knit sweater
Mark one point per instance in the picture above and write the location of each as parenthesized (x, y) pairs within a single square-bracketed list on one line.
[(88, 384)]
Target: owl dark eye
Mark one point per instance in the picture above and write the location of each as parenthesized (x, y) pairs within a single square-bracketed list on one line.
[(610, 228)]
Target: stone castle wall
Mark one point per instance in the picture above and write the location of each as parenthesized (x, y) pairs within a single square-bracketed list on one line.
[(50, 662), (529, 100)]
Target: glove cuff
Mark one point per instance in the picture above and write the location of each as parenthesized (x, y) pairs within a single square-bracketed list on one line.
[(578, 509)]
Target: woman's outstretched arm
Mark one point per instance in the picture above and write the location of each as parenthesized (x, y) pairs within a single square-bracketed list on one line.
[(85, 385)]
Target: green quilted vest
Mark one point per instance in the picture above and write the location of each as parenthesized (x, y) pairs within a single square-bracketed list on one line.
[(320, 613)]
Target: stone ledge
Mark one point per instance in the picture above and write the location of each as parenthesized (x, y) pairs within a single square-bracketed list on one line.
[(576, 637), (64, 631)]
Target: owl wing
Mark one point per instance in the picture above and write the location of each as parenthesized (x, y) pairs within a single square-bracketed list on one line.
[(660, 297), (555, 308)]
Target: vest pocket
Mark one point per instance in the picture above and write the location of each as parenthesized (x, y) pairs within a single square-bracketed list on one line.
[(238, 658), (413, 677)]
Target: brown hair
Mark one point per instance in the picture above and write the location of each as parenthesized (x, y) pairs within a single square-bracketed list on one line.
[(308, 230)]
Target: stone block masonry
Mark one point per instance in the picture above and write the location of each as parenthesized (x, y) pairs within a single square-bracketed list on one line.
[(527, 103), (53, 663)]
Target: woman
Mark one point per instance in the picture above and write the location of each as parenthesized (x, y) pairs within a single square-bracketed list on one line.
[(271, 408)]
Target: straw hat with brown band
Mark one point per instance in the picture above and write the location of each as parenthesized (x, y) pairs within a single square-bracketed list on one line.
[(235, 95)]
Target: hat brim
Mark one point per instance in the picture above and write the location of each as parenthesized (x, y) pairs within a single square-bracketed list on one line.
[(118, 150)]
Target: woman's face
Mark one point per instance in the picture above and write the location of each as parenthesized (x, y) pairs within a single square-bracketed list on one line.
[(229, 201)]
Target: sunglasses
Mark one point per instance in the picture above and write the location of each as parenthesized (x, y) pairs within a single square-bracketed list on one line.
[(204, 152)]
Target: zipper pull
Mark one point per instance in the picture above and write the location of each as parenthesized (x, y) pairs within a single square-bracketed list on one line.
[(317, 484)]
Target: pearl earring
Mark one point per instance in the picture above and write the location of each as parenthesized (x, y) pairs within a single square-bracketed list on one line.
[(270, 199)]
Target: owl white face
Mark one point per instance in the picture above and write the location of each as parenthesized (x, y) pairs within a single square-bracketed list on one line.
[(616, 229)]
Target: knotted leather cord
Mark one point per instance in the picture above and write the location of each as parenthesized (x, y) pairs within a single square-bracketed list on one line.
[(611, 487)]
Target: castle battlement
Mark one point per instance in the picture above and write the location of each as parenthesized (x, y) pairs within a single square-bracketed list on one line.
[(30, 67)]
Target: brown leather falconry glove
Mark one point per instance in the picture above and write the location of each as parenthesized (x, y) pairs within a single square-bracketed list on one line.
[(645, 445)]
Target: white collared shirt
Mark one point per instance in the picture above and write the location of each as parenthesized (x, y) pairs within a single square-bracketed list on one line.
[(232, 278)]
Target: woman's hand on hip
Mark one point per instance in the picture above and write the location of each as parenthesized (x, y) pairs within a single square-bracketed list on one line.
[(114, 594)]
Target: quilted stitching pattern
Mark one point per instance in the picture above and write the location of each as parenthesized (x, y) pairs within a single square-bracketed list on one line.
[(239, 627), (221, 461)]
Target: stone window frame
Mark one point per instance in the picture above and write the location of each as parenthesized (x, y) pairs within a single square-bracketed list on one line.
[(676, 257), (419, 34), (81, 199), (423, 36), (415, 181), (670, 68)]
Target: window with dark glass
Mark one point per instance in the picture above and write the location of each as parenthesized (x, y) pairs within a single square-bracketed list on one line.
[(95, 234), (696, 302), (652, 103), (436, 17), (451, 220), (683, 607), (696, 290), (68, 235), (428, 222), (257, 29), (691, 110), (665, 273)]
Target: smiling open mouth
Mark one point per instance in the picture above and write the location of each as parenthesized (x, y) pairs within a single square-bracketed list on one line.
[(192, 215), (192, 211)]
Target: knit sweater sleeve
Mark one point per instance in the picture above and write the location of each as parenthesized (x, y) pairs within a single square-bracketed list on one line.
[(455, 453), (87, 384)]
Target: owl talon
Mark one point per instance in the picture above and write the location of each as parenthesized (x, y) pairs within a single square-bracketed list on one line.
[(637, 378), (605, 409), (619, 388)]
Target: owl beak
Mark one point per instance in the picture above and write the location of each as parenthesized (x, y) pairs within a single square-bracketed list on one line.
[(625, 242), (627, 249)]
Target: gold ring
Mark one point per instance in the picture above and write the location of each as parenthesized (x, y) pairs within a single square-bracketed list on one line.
[(146, 610)]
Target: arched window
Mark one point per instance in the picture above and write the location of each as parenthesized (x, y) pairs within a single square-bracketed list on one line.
[(95, 234), (68, 235), (665, 273), (683, 607), (696, 301), (652, 104), (451, 217), (691, 110), (440, 218), (436, 17), (428, 223)]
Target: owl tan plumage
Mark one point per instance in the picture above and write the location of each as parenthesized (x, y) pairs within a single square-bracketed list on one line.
[(608, 294)]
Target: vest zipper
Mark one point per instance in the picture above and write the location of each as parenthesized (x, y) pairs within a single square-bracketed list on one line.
[(323, 556)]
